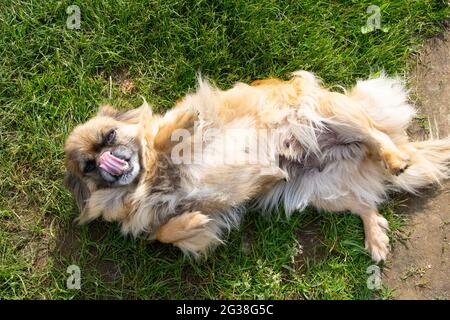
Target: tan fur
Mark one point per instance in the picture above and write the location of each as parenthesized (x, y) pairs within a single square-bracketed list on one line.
[(334, 148), (188, 231), (183, 120)]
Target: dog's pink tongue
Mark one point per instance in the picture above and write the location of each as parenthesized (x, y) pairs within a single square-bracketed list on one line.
[(111, 164)]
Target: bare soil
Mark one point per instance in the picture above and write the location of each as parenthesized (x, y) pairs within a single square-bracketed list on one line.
[(419, 266)]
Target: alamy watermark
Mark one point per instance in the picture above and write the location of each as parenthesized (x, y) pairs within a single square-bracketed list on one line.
[(74, 280), (374, 20), (74, 19), (374, 279)]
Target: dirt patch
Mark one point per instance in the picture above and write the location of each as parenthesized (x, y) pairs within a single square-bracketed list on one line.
[(420, 263), (68, 249), (121, 78), (311, 243)]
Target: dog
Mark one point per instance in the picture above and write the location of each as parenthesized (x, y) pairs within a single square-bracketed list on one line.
[(334, 151)]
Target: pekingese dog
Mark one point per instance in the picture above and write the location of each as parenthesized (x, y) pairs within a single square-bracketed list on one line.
[(187, 176)]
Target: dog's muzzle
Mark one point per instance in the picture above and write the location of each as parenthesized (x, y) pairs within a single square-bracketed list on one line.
[(119, 166)]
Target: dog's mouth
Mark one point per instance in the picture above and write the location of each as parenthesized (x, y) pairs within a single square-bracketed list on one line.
[(119, 166), (113, 165)]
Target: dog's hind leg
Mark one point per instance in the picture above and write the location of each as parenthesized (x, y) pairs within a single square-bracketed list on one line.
[(394, 159), (375, 225), (375, 231), (348, 115), (349, 119)]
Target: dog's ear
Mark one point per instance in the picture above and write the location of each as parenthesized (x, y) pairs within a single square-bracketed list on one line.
[(139, 115), (78, 188), (134, 116), (107, 111), (145, 112)]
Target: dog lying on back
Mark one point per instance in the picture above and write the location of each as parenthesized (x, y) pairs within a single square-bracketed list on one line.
[(187, 176)]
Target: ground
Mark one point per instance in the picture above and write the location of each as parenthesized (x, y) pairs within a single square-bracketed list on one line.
[(53, 78), (420, 263)]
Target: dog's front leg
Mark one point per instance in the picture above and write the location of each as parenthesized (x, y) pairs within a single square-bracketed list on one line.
[(174, 120), (192, 232)]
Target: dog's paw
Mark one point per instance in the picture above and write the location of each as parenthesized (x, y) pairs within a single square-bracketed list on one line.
[(181, 227), (192, 232), (377, 241), (396, 162)]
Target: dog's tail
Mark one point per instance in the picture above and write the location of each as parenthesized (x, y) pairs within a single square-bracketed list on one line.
[(430, 161), (386, 101)]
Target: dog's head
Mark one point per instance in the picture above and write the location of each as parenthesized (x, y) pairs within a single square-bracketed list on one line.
[(106, 152)]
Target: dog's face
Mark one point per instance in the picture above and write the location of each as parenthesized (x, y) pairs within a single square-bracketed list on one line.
[(105, 152)]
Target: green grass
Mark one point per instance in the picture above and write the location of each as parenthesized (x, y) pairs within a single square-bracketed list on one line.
[(52, 78)]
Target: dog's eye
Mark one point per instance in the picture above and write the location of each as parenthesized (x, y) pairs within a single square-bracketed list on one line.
[(90, 166), (110, 136)]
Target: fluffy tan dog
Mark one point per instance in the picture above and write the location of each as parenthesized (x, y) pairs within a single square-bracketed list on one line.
[(186, 177)]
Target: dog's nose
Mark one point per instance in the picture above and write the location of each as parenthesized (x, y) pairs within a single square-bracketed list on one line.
[(122, 153)]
